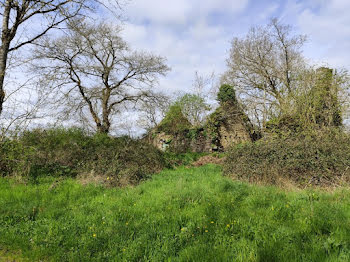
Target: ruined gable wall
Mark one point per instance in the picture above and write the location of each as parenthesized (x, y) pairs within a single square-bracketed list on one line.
[(231, 126)]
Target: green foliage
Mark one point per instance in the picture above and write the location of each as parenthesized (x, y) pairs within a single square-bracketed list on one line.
[(214, 121), (183, 159), (179, 215), (174, 122), (193, 133), (226, 94), (323, 99), (68, 152), (313, 105), (284, 125), (193, 107), (319, 159)]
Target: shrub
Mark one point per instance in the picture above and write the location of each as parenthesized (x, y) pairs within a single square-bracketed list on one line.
[(176, 159), (61, 152), (317, 159), (226, 94), (14, 157)]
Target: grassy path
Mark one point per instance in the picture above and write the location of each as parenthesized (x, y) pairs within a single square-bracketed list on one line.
[(180, 215)]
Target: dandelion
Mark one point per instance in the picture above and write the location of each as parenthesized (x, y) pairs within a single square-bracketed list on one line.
[(212, 222), (94, 235), (206, 231), (228, 225), (107, 178), (126, 223)]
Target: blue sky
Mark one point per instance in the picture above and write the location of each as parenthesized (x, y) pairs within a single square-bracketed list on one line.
[(195, 35)]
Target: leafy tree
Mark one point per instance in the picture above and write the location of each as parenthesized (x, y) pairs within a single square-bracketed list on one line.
[(194, 108)]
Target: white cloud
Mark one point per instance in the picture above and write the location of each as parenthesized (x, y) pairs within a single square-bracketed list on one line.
[(185, 32), (134, 33), (159, 11), (180, 12), (195, 35), (327, 25)]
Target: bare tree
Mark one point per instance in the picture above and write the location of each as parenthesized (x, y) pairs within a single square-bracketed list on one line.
[(204, 85), (264, 66), (23, 106), (153, 111), (26, 21), (96, 73)]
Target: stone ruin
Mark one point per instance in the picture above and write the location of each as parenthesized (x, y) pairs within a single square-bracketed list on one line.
[(227, 126)]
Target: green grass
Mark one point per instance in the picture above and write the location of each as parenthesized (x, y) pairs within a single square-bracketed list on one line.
[(180, 215)]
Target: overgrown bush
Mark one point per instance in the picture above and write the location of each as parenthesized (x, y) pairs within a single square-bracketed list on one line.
[(226, 94), (182, 159), (62, 152), (321, 158), (174, 122)]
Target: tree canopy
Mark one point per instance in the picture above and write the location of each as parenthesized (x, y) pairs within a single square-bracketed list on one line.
[(96, 74)]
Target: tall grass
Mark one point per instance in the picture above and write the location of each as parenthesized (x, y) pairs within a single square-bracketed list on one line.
[(180, 215)]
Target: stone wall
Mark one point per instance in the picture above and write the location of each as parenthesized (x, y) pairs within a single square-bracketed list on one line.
[(181, 143), (227, 126)]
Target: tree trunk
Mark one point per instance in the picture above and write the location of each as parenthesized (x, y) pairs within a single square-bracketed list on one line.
[(103, 129), (3, 61), (4, 50)]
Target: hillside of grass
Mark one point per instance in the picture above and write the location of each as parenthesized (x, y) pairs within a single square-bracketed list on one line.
[(187, 214)]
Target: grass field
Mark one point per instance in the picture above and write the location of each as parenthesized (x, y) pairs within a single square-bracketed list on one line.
[(187, 214)]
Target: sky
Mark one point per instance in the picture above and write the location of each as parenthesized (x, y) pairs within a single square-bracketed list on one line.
[(195, 35)]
